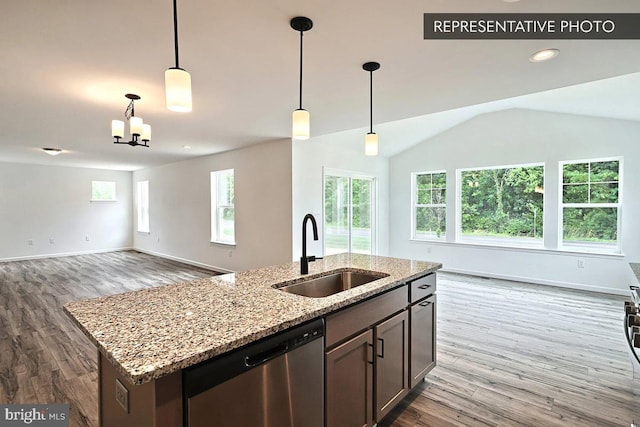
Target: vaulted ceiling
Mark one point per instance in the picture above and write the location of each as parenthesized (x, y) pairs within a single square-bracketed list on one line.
[(67, 65)]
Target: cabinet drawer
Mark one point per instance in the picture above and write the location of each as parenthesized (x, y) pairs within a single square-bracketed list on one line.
[(422, 287), (347, 322)]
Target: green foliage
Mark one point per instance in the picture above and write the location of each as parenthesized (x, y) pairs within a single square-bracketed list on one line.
[(431, 189), (503, 202)]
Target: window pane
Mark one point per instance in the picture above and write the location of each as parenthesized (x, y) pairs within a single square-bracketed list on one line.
[(225, 188), (575, 173), (503, 203), (604, 193), (430, 222), (575, 193), (336, 214), (423, 188), (361, 232), (604, 171), (103, 191), (592, 226), (227, 225)]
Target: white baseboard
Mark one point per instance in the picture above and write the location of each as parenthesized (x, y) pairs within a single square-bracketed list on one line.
[(185, 261), (559, 284), (64, 254)]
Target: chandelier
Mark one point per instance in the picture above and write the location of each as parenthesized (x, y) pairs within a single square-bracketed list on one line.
[(140, 132)]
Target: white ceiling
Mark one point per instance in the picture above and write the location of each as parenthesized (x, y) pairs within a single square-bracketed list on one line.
[(67, 65)]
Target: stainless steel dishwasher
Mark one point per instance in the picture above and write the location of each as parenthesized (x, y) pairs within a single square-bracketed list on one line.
[(275, 382)]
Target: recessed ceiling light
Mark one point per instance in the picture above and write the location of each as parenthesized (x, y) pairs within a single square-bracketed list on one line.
[(52, 151), (544, 55), (186, 147)]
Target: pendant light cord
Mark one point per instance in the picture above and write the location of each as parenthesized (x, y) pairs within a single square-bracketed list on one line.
[(175, 30), (371, 101), (301, 34)]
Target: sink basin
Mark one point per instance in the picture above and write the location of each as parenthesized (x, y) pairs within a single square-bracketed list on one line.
[(324, 286)]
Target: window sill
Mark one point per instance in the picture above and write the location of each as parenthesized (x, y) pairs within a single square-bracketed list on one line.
[(538, 249), (216, 243), (101, 201)]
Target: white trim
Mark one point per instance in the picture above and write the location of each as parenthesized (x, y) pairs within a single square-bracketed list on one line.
[(185, 261), (561, 205), (64, 254), (460, 238), (566, 285), (343, 173), (526, 249), (414, 205)]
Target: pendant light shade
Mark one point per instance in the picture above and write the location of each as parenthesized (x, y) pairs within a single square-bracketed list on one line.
[(300, 128), (371, 139), (301, 123), (177, 84), (177, 81), (371, 144)]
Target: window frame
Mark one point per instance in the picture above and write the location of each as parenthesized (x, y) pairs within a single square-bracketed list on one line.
[(585, 247), (350, 175), (113, 184), (496, 241), (142, 206), (415, 206), (217, 208)]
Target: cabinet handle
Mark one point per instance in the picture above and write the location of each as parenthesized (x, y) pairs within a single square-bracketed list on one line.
[(424, 304), (381, 355), (371, 348), (424, 286)]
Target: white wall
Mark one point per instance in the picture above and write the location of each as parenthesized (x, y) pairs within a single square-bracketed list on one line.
[(42, 202), (180, 208), (512, 137), (309, 159)]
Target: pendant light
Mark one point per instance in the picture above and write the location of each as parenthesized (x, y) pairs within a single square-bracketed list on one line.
[(140, 132), (300, 118), (371, 139), (177, 81)]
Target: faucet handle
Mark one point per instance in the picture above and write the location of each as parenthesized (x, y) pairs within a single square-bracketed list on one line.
[(313, 258)]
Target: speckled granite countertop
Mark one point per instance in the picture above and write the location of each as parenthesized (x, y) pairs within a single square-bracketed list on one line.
[(635, 267), (150, 333)]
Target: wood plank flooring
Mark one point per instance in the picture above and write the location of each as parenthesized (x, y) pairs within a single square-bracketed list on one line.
[(509, 354), (516, 354), (44, 358)]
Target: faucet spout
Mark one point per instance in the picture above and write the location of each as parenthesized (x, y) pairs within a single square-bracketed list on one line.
[(304, 260)]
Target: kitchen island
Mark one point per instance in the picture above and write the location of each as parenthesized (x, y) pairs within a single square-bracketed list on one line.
[(146, 338)]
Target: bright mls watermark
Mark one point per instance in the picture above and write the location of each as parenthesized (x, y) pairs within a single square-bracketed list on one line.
[(53, 415), (531, 26)]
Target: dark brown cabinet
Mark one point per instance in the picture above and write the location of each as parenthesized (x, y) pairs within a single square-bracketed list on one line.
[(392, 360), (423, 339), (349, 382), (376, 351)]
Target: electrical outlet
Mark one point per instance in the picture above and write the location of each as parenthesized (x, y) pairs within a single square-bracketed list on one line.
[(428, 250), (52, 240), (580, 263), (122, 396), (158, 239), (230, 254), (87, 238), (30, 242)]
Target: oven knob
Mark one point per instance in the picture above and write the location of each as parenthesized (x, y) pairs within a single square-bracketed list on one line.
[(630, 309), (634, 320)]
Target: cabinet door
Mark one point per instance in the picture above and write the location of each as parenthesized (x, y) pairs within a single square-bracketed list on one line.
[(423, 339), (349, 383), (392, 360)]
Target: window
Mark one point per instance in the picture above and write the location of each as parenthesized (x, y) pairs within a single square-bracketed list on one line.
[(591, 203), (502, 205), (429, 205), (222, 207), (349, 206), (103, 191), (143, 206)]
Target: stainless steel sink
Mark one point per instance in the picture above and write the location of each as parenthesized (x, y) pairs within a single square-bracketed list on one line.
[(324, 286)]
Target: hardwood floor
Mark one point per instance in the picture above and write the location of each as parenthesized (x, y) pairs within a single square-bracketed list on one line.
[(515, 354), (509, 354), (44, 358)]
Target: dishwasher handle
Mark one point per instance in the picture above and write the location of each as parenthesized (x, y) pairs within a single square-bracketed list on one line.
[(265, 356)]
